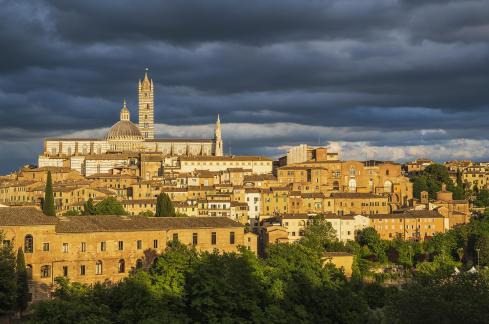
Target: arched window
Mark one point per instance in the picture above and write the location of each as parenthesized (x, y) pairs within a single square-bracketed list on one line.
[(371, 184), (352, 185), (336, 185), (28, 244), (388, 186), (122, 266), (139, 264), (98, 267)]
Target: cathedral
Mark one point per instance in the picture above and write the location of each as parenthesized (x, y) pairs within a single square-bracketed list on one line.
[(125, 137)]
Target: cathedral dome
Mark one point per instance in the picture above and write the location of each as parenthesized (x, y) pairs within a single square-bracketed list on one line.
[(124, 129)]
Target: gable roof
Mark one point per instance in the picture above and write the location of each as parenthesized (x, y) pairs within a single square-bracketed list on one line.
[(24, 216)]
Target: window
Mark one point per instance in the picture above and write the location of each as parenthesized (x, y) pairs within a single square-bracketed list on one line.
[(336, 185), (121, 245), (175, 236), (98, 267), (82, 270), (231, 238), (194, 239), (139, 264), (102, 246), (155, 244), (45, 271), (65, 271), (45, 247), (28, 243), (65, 247), (83, 247), (121, 267), (213, 238), (139, 244)]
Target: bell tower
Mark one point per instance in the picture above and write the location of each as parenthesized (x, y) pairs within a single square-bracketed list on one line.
[(218, 145), (146, 107)]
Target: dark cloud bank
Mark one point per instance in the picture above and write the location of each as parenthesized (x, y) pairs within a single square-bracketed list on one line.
[(407, 76)]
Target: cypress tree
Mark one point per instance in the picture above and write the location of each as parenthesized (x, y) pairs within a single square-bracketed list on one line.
[(160, 205), (22, 282), (48, 203), (8, 282), (164, 206)]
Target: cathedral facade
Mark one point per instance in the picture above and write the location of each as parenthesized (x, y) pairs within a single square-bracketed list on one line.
[(125, 137)]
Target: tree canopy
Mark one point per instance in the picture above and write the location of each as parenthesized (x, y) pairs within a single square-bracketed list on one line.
[(431, 180), (164, 206), (109, 206)]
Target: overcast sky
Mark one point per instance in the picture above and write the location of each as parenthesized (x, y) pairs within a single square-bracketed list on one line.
[(376, 79)]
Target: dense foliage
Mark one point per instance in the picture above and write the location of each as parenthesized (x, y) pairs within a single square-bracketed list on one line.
[(164, 206), (290, 283), (108, 206), (431, 180)]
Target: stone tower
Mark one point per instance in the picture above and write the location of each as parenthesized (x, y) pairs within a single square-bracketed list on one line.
[(218, 149), (146, 107)]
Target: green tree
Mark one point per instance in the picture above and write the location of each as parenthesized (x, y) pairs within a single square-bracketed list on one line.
[(459, 182), (371, 239), (22, 282), (146, 213), (109, 206), (170, 269), (450, 299), (48, 203), (482, 198), (431, 180), (89, 208), (164, 206), (225, 288), (420, 183), (482, 244), (318, 233), (8, 285)]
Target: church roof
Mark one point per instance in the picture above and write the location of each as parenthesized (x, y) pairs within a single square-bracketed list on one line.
[(124, 129)]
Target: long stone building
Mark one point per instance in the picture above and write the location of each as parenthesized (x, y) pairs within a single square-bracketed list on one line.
[(125, 137), (91, 249)]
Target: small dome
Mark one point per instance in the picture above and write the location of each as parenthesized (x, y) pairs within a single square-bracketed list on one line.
[(124, 129)]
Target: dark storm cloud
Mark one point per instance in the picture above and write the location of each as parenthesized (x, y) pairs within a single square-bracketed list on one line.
[(386, 72)]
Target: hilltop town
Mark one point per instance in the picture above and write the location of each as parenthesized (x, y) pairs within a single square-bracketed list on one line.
[(216, 202)]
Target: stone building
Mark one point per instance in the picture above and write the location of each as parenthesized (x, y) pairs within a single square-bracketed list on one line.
[(376, 177), (416, 225), (91, 249), (128, 138)]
